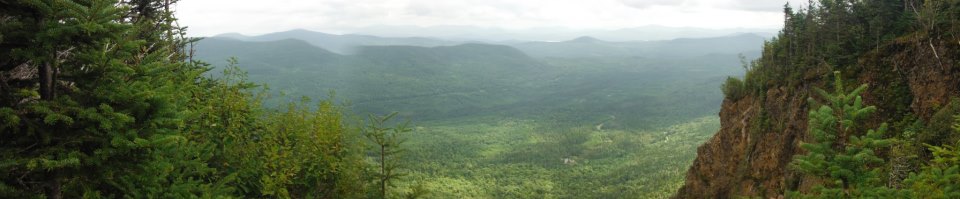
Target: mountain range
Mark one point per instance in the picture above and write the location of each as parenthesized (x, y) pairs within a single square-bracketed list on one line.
[(492, 34), (584, 46), (583, 79)]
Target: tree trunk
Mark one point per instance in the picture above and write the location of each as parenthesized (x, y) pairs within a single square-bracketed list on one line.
[(383, 174), (46, 81)]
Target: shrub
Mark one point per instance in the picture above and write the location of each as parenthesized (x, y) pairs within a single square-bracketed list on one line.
[(733, 88)]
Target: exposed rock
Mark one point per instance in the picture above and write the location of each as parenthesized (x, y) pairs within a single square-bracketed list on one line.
[(744, 161)]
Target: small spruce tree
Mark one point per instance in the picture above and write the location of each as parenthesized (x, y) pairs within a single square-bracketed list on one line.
[(849, 167), (387, 142)]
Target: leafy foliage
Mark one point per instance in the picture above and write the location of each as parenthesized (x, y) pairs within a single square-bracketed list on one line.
[(734, 89)]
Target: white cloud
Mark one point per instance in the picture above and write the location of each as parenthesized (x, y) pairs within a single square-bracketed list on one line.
[(210, 17)]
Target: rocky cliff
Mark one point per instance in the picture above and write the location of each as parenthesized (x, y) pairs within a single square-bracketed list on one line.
[(913, 78)]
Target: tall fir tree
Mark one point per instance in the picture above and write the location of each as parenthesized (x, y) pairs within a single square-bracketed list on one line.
[(91, 98)]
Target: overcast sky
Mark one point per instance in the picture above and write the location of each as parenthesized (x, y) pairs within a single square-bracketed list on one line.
[(252, 17)]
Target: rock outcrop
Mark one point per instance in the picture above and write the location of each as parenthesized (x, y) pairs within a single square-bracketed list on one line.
[(760, 133)]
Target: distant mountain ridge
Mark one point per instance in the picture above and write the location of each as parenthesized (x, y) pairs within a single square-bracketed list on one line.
[(684, 47), (489, 34), (341, 44), (378, 78), (583, 46)]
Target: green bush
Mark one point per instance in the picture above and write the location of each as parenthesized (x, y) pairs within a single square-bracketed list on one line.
[(733, 88)]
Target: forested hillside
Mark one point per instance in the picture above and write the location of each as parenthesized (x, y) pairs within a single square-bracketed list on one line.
[(853, 99)]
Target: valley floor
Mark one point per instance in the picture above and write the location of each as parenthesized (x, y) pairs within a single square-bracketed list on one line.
[(520, 158)]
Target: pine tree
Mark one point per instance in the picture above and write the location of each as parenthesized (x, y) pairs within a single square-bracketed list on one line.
[(845, 161), (91, 99)]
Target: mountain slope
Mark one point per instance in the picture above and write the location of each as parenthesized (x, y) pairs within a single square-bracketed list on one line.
[(295, 52), (913, 76), (377, 79)]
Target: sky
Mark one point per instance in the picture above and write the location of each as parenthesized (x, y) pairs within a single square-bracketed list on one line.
[(254, 17)]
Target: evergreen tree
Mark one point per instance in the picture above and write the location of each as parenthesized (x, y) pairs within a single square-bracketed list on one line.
[(941, 177), (387, 149), (91, 99), (99, 98), (845, 161)]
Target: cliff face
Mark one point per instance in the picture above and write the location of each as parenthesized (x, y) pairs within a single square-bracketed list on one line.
[(760, 133)]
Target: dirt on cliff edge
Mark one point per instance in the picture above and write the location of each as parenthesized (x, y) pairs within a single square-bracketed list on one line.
[(760, 134)]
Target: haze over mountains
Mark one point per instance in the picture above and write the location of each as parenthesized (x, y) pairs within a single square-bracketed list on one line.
[(641, 33), (490, 34), (343, 44), (579, 47), (428, 78)]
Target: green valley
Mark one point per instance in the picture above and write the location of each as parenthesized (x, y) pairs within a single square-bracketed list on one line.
[(576, 119)]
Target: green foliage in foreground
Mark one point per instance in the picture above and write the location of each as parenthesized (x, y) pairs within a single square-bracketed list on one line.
[(99, 100), (856, 37), (294, 152), (845, 161), (848, 165), (941, 177), (93, 100)]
